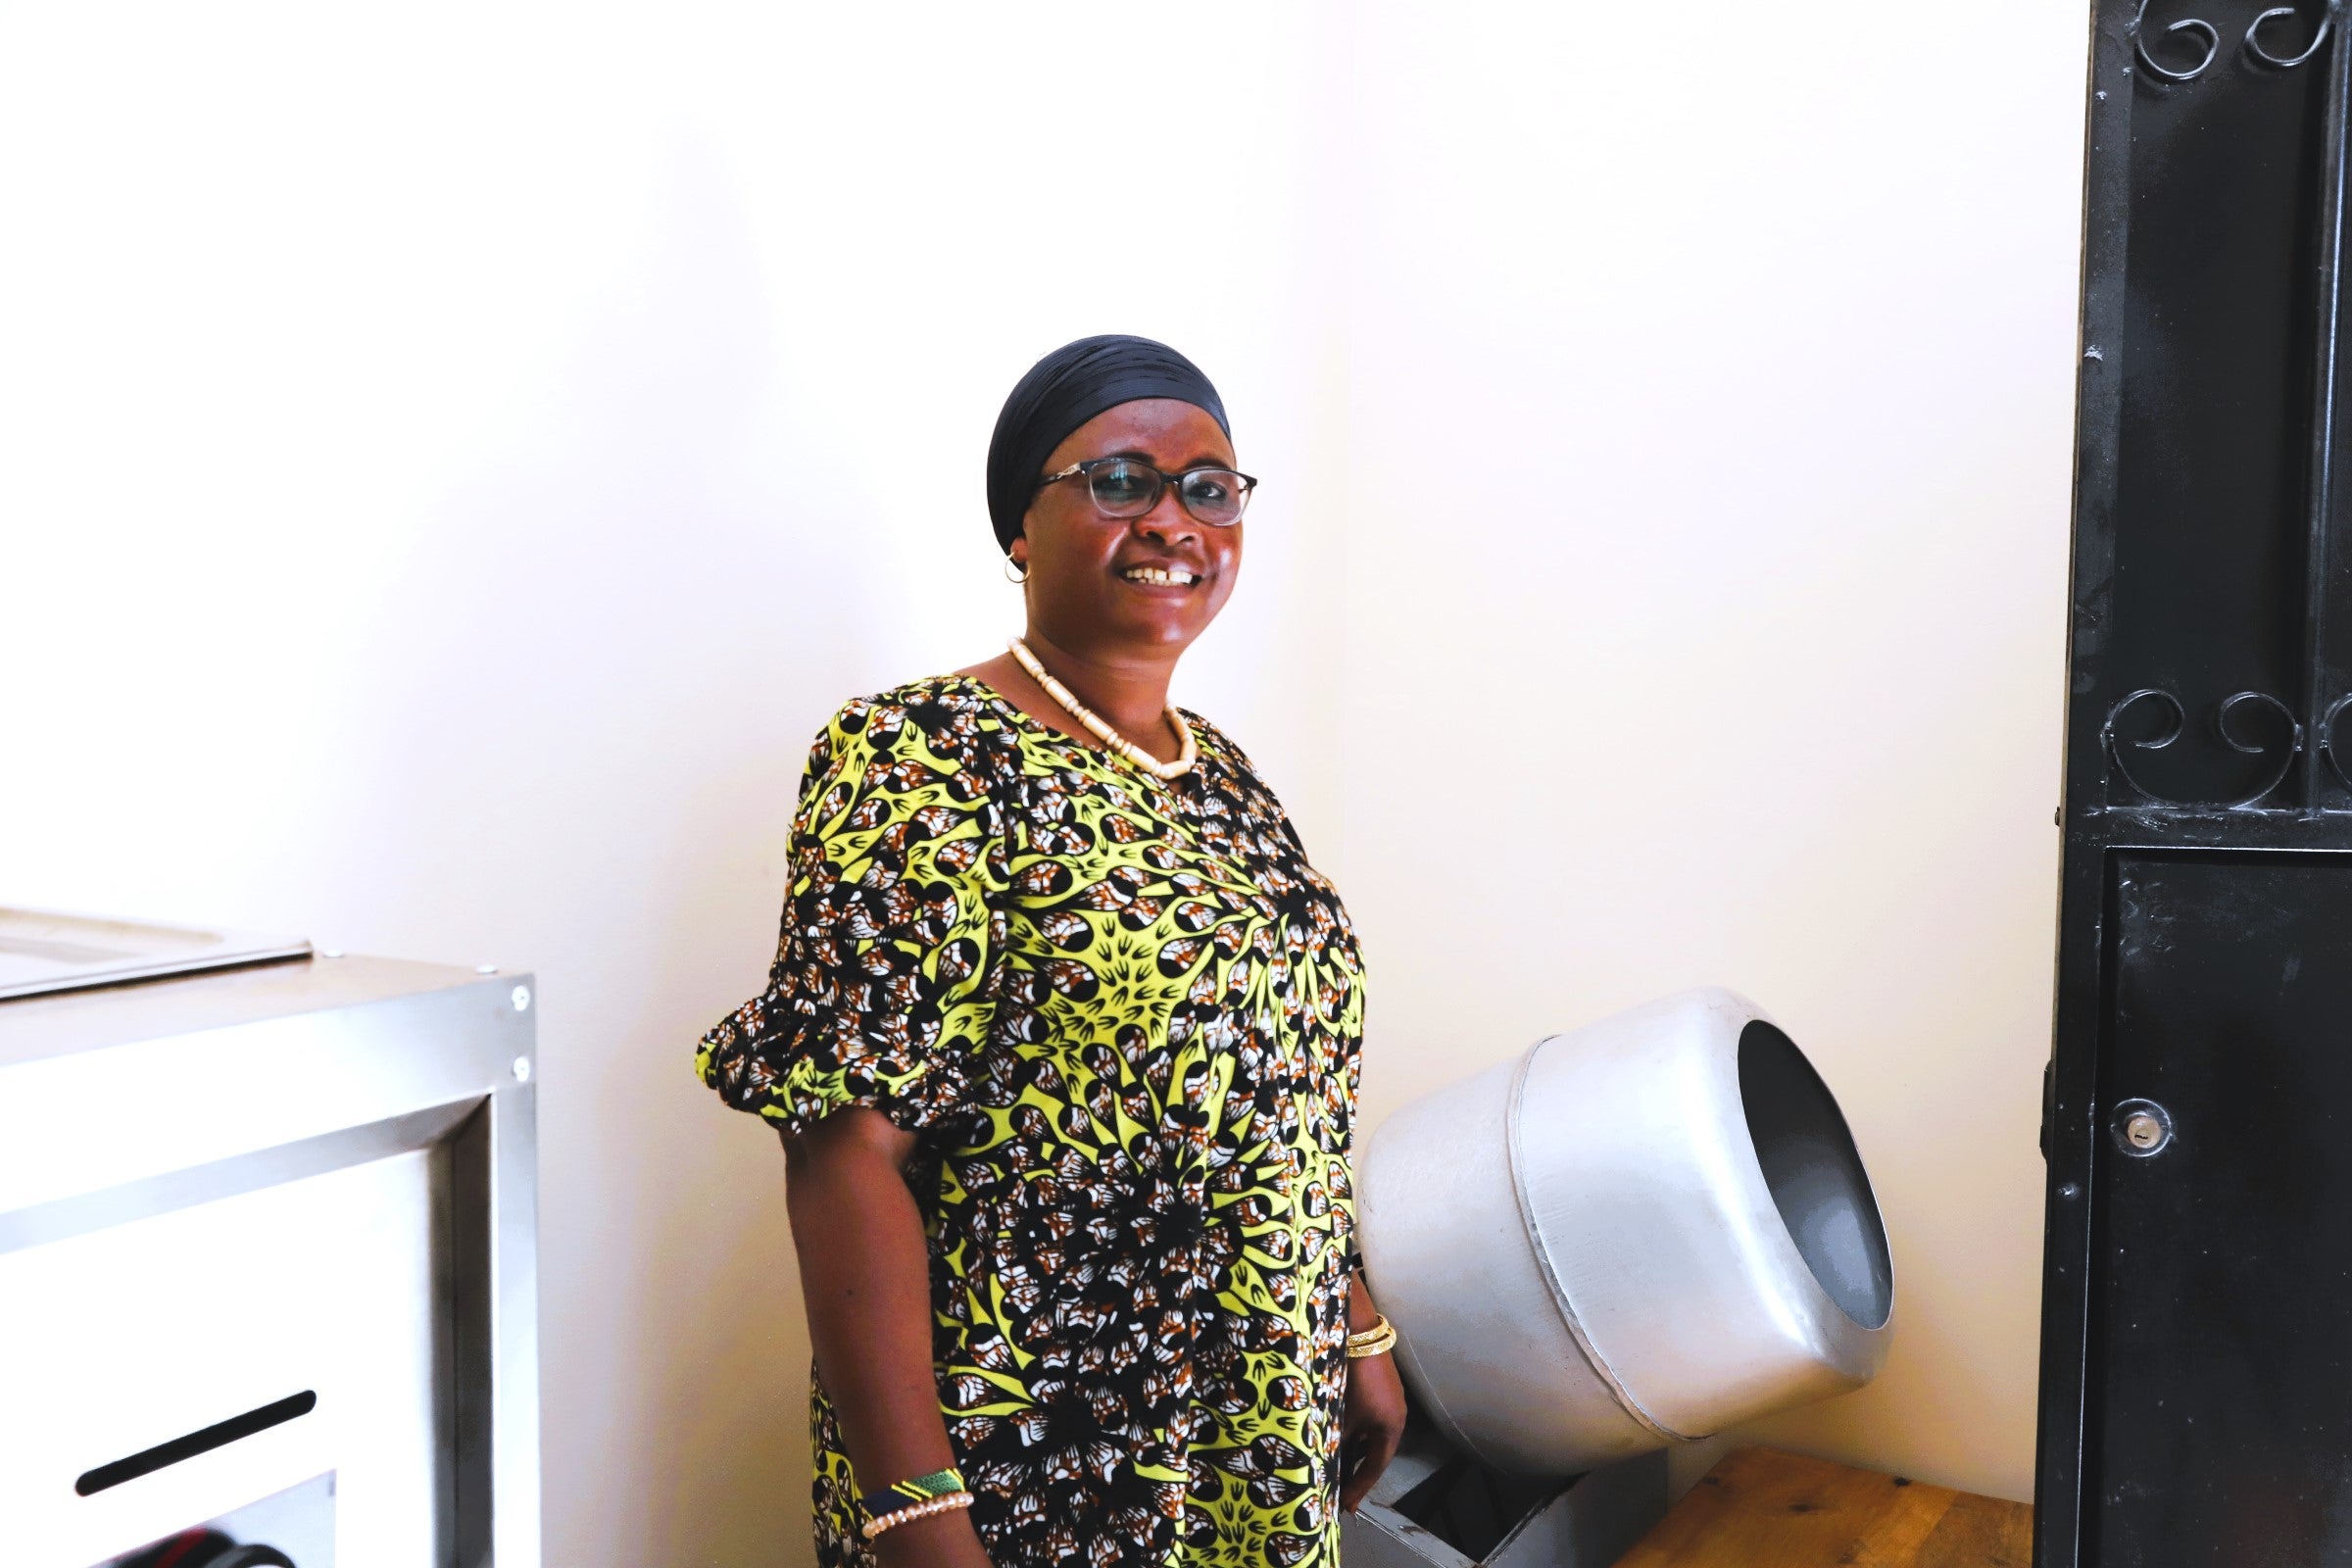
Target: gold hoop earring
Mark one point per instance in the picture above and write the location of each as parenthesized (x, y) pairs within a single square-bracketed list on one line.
[(1010, 563)]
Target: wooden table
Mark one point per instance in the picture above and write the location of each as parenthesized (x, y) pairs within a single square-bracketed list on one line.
[(1762, 1509)]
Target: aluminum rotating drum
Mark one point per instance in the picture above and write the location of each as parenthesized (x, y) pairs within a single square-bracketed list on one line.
[(1650, 1229)]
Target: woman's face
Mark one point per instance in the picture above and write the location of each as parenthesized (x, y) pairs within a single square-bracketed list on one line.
[(1082, 593)]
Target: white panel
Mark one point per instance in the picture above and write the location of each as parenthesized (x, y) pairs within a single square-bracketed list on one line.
[(118, 1341)]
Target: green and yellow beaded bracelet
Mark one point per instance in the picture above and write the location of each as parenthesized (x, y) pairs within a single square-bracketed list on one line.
[(919, 1497)]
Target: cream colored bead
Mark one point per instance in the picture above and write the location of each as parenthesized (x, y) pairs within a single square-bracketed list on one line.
[(1100, 728), (943, 1503)]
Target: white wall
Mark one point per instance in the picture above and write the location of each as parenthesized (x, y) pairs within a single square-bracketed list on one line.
[(1706, 591), (451, 461)]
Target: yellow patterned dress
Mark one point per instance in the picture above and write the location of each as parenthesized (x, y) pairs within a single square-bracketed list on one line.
[(1122, 1016)]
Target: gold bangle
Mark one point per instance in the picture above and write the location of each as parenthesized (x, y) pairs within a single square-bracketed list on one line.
[(943, 1503), (1374, 1340)]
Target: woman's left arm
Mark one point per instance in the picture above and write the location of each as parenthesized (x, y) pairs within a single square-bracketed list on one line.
[(1374, 1420)]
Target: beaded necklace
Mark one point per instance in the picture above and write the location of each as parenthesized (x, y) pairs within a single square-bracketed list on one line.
[(1100, 728)]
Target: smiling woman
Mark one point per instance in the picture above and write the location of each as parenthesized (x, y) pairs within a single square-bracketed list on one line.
[(1063, 1039)]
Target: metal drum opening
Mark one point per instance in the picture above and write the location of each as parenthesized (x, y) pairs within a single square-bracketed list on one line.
[(1815, 1174)]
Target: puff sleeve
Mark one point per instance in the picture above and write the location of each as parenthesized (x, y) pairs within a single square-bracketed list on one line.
[(876, 996)]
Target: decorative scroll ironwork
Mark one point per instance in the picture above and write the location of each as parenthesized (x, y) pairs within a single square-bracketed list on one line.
[(2284, 62), (2326, 739), (2191, 24), (2308, 735), (2199, 28), (2230, 705)]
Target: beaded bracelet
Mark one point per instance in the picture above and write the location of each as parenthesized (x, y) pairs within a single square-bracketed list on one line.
[(901, 1497), (946, 1502)]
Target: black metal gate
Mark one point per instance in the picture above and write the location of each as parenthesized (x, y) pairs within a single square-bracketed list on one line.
[(2196, 1368)]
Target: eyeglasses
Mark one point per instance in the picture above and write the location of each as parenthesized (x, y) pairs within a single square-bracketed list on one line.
[(1129, 487)]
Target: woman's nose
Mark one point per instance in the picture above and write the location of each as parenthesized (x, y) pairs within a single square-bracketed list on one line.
[(1167, 521)]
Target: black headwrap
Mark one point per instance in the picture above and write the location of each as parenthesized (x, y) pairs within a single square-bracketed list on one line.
[(1061, 392)]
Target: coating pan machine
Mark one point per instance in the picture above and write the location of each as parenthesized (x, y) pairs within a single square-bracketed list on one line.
[(1644, 1231)]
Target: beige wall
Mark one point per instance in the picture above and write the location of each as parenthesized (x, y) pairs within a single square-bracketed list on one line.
[(1705, 592), (453, 461)]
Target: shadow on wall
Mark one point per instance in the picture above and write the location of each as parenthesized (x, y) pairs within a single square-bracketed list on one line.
[(614, 642)]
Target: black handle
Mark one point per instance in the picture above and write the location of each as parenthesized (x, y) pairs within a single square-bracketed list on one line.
[(254, 1556)]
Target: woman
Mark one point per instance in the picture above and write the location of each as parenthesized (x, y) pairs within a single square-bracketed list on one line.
[(1061, 1038)]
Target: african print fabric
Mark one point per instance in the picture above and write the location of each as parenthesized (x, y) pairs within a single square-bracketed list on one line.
[(1123, 1016)]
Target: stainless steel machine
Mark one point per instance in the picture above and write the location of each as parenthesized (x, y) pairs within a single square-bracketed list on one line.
[(267, 1253), (1646, 1230)]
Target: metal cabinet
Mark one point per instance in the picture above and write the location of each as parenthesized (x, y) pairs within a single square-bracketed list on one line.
[(2195, 1401), (266, 1258)]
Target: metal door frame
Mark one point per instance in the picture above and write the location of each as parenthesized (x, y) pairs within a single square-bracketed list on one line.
[(2306, 806)]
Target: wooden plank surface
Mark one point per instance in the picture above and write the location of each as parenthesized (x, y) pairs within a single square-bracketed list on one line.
[(1762, 1509)]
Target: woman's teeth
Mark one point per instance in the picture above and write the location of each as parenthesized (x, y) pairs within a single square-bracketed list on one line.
[(1175, 580)]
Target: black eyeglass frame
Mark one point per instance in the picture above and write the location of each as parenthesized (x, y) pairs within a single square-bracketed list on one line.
[(1161, 479)]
